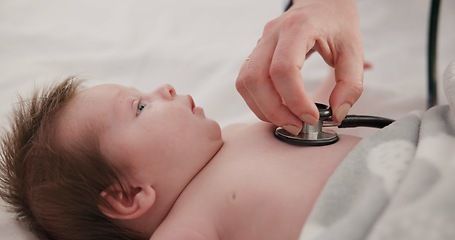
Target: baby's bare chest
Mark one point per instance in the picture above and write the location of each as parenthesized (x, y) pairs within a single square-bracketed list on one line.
[(253, 189)]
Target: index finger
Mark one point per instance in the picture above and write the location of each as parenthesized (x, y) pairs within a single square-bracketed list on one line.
[(257, 89)]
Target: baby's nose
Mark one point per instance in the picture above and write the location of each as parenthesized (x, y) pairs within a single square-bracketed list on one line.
[(167, 91)]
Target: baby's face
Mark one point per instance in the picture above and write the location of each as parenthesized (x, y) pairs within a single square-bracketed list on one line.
[(157, 137)]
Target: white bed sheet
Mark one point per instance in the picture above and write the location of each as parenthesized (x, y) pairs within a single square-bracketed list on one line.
[(198, 46)]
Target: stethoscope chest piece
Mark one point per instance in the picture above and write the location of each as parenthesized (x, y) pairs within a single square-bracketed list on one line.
[(316, 136), (307, 139), (311, 135)]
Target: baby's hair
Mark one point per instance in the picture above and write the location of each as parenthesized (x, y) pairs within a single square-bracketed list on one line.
[(55, 189)]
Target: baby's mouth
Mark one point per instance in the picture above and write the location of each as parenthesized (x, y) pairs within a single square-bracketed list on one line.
[(192, 105), (194, 109)]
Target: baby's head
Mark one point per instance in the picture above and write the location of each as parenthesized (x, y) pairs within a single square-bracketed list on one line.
[(106, 162)]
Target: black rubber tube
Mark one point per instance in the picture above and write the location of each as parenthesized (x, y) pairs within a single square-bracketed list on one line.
[(365, 121), (432, 98)]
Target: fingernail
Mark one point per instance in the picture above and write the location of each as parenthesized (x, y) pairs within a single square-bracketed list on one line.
[(307, 118), (342, 111), (292, 129)]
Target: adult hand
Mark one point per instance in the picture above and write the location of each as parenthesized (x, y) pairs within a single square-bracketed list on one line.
[(270, 80)]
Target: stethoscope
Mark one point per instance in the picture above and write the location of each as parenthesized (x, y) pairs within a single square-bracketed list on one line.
[(316, 135)]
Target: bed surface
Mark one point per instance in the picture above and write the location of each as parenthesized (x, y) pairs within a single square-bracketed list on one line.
[(198, 46)]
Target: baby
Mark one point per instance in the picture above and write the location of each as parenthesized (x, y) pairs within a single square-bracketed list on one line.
[(112, 162)]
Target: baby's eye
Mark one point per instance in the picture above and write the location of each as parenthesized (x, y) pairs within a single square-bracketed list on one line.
[(140, 107)]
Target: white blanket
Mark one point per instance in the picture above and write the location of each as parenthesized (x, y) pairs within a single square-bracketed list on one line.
[(395, 184), (198, 46)]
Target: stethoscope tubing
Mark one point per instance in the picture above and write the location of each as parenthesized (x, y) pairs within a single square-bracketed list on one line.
[(352, 121)]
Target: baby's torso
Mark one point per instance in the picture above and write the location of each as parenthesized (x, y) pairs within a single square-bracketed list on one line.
[(256, 187)]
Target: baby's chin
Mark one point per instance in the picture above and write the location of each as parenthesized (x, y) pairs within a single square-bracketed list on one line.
[(213, 126), (217, 131), (217, 136)]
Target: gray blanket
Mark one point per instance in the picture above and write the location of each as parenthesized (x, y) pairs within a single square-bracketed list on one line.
[(397, 184)]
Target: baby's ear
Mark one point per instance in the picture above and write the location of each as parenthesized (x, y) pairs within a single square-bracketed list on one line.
[(130, 203)]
